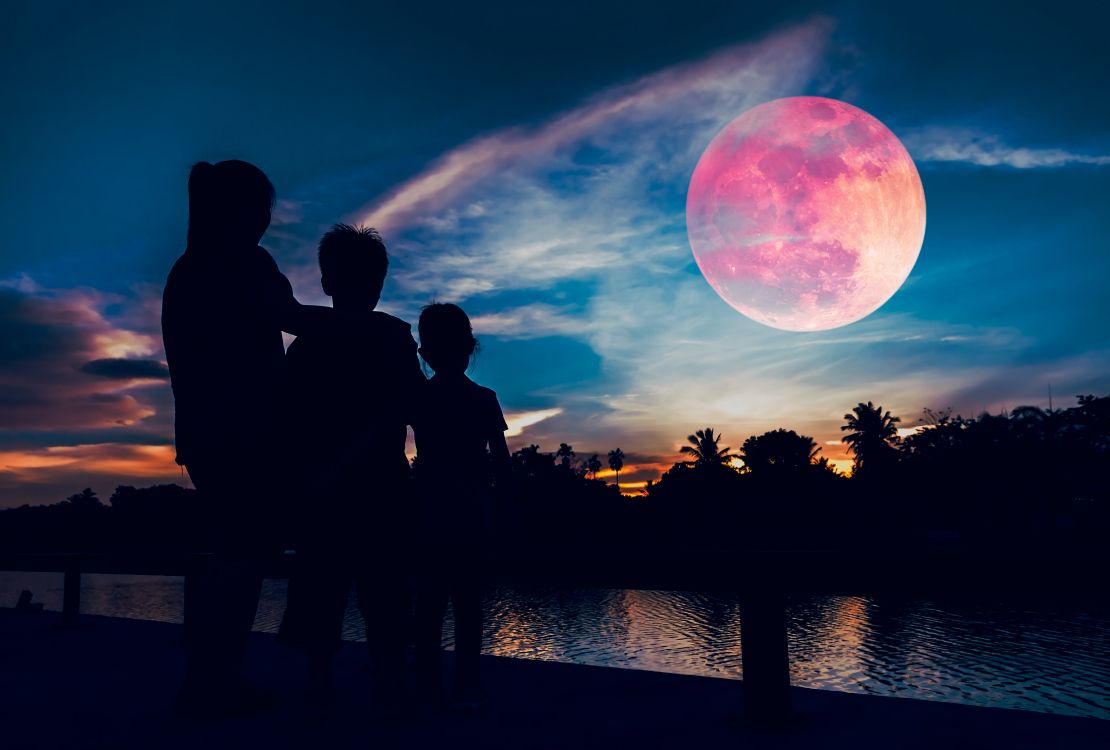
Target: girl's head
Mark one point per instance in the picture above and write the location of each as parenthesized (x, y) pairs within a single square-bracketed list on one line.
[(446, 339), (230, 203)]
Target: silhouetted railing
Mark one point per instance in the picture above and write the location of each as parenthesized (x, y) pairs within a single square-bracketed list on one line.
[(762, 579)]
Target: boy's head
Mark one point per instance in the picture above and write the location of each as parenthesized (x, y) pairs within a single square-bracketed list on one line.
[(353, 263), (446, 339)]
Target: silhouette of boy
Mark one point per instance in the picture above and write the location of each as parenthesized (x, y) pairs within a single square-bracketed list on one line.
[(461, 454), (351, 389)]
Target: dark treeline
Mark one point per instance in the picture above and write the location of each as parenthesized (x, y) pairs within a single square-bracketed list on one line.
[(160, 519), (1032, 477), (1024, 480)]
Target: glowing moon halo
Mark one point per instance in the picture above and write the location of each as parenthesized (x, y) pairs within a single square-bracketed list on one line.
[(805, 213)]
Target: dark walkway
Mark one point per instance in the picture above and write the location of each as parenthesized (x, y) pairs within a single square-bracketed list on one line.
[(108, 684)]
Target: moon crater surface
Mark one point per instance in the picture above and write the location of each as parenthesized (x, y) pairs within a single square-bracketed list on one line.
[(805, 213)]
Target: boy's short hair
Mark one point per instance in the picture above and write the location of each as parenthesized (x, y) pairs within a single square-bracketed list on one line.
[(352, 255)]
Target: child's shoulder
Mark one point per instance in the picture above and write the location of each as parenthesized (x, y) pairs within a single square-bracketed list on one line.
[(384, 326), (388, 322), (372, 326), (481, 392)]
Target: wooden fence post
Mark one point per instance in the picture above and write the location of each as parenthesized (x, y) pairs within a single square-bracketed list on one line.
[(765, 657)]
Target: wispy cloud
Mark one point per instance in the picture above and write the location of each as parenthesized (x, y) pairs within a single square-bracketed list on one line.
[(724, 80), (529, 321), (984, 150)]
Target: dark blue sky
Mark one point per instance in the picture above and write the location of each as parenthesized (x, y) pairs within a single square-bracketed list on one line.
[(563, 234)]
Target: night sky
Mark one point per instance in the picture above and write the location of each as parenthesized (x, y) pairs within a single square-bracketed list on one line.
[(531, 164)]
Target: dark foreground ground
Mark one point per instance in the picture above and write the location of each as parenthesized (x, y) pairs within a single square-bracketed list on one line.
[(110, 683)]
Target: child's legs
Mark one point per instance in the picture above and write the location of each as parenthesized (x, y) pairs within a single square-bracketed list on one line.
[(466, 596), (313, 621), (431, 606), (385, 601)]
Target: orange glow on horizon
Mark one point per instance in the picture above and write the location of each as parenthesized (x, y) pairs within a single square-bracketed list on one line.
[(140, 461)]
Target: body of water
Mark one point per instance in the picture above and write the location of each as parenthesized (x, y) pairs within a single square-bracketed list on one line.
[(1034, 656)]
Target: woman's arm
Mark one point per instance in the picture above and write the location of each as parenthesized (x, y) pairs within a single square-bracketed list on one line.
[(499, 459)]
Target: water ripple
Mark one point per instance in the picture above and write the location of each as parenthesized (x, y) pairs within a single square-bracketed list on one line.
[(992, 653)]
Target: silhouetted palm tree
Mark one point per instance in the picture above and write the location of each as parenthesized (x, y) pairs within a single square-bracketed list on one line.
[(565, 454), (871, 435), (1034, 424), (593, 465), (705, 450), (616, 463)]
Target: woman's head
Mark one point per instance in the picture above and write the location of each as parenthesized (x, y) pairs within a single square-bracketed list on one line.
[(446, 339), (230, 203)]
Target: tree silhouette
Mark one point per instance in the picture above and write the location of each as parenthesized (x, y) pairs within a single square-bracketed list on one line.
[(871, 436), (565, 454), (86, 499), (778, 450), (704, 449), (1036, 425), (528, 461), (616, 463), (593, 465)]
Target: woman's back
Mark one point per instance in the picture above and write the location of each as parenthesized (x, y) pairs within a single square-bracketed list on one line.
[(224, 350)]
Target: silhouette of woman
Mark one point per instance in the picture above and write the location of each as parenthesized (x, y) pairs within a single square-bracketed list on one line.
[(224, 308)]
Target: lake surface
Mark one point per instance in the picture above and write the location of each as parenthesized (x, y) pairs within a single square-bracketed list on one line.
[(1033, 656)]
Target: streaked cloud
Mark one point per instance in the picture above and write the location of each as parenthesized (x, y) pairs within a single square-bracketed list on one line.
[(140, 461), (519, 421), (528, 321), (972, 147)]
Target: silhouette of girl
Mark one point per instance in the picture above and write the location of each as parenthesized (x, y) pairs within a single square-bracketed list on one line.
[(461, 453)]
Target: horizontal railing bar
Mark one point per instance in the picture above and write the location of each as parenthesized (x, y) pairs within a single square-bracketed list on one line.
[(794, 571)]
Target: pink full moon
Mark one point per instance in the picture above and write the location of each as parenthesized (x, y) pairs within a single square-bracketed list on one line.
[(805, 213)]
